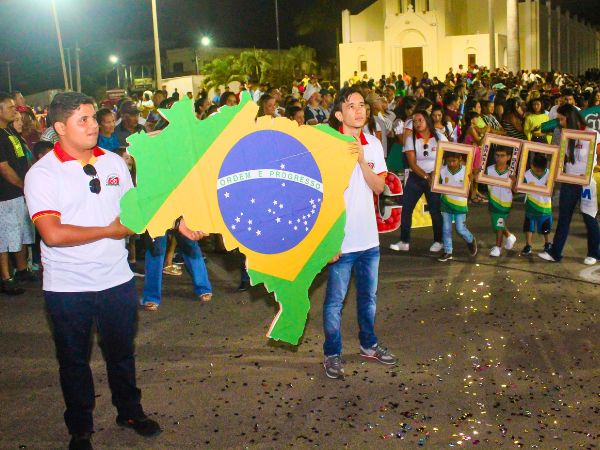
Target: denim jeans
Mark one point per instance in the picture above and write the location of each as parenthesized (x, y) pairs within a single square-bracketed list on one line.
[(461, 229), (365, 265), (569, 196), (194, 262), (413, 190), (72, 314)]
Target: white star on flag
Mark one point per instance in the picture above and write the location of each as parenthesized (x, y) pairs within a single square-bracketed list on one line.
[(274, 202), (283, 184), (258, 232), (249, 228), (250, 222), (298, 220), (304, 217), (312, 202), (280, 205), (306, 229), (305, 222), (278, 220), (233, 227), (226, 194), (295, 227), (237, 219), (252, 200), (289, 222), (282, 166)]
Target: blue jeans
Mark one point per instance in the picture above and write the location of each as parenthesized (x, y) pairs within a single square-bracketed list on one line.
[(365, 265), (194, 262), (72, 314), (413, 190), (461, 229), (569, 196)]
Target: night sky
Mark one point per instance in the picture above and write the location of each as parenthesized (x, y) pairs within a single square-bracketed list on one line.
[(123, 27)]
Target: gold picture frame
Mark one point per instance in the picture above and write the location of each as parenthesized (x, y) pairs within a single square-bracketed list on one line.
[(536, 147), (578, 135), (436, 186), (495, 139)]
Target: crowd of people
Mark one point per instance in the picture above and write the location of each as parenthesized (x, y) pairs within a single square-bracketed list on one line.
[(399, 122)]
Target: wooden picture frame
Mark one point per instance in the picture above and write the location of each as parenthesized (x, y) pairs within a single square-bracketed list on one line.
[(495, 139), (577, 135), (436, 186), (536, 147)]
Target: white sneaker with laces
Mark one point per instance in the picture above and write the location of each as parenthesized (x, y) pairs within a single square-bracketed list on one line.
[(495, 252), (547, 256), (510, 242), (589, 261), (436, 247), (400, 246)]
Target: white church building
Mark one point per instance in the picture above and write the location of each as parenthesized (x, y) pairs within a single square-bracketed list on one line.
[(417, 36)]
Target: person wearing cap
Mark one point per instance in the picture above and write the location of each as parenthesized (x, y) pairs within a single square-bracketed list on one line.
[(129, 125), (313, 113)]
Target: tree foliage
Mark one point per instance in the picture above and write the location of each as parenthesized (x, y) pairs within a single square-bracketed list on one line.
[(222, 71)]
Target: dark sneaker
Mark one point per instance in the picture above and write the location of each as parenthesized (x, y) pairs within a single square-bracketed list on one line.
[(137, 272), (526, 250), (81, 441), (10, 287), (445, 257), (472, 247), (548, 247), (178, 259), (333, 367), (26, 276), (378, 353), (244, 286), (144, 426)]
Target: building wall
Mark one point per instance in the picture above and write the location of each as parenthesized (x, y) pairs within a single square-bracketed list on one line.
[(452, 29), (367, 26), (351, 54)]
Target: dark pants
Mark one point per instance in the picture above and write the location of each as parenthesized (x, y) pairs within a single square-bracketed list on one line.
[(72, 314), (570, 194), (413, 190)]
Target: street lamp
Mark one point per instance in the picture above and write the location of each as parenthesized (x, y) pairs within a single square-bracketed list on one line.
[(205, 41), (113, 59)]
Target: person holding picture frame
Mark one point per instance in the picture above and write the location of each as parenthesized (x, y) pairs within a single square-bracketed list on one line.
[(576, 156)]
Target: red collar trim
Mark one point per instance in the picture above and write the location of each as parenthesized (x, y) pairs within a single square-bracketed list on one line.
[(363, 139), (64, 156)]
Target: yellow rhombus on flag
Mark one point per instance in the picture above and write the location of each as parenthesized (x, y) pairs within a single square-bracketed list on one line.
[(270, 187)]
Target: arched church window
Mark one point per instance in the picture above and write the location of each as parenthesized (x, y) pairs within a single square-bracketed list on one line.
[(363, 65)]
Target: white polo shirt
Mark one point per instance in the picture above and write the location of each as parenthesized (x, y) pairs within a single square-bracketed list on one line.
[(57, 185), (425, 156), (361, 225)]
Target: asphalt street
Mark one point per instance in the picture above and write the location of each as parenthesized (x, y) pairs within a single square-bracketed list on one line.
[(493, 353)]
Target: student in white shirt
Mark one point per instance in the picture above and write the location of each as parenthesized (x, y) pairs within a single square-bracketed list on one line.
[(360, 247), (571, 194), (420, 148)]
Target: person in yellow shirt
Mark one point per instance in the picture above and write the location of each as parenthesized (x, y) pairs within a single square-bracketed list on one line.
[(534, 120)]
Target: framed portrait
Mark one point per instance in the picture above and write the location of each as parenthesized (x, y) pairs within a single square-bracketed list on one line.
[(466, 154), (539, 158), (577, 149), (492, 143)]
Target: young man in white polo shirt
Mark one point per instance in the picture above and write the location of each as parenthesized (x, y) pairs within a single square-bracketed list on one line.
[(73, 195), (360, 248)]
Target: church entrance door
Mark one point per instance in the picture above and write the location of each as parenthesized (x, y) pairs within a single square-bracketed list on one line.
[(412, 61)]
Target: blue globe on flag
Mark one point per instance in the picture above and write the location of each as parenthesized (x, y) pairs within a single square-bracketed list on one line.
[(269, 191)]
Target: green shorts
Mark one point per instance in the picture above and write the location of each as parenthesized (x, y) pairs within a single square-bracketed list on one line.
[(498, 221)]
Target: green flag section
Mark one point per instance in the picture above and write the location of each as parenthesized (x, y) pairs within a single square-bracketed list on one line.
[(591, 116), (271, 188)]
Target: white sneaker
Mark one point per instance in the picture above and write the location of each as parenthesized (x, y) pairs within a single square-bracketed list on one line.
[(589, 261), (400, 246), (510, 242), (547, 256), (495, 252), (436, 247)]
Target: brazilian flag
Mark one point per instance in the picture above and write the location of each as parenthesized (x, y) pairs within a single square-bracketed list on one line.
[(270, 187)]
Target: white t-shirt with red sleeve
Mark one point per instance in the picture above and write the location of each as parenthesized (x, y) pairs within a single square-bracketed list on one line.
[(57, 185), (361, 225)]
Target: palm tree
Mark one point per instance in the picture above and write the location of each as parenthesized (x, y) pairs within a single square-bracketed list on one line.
[(255, 64), (299, 60), (221, 71)]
